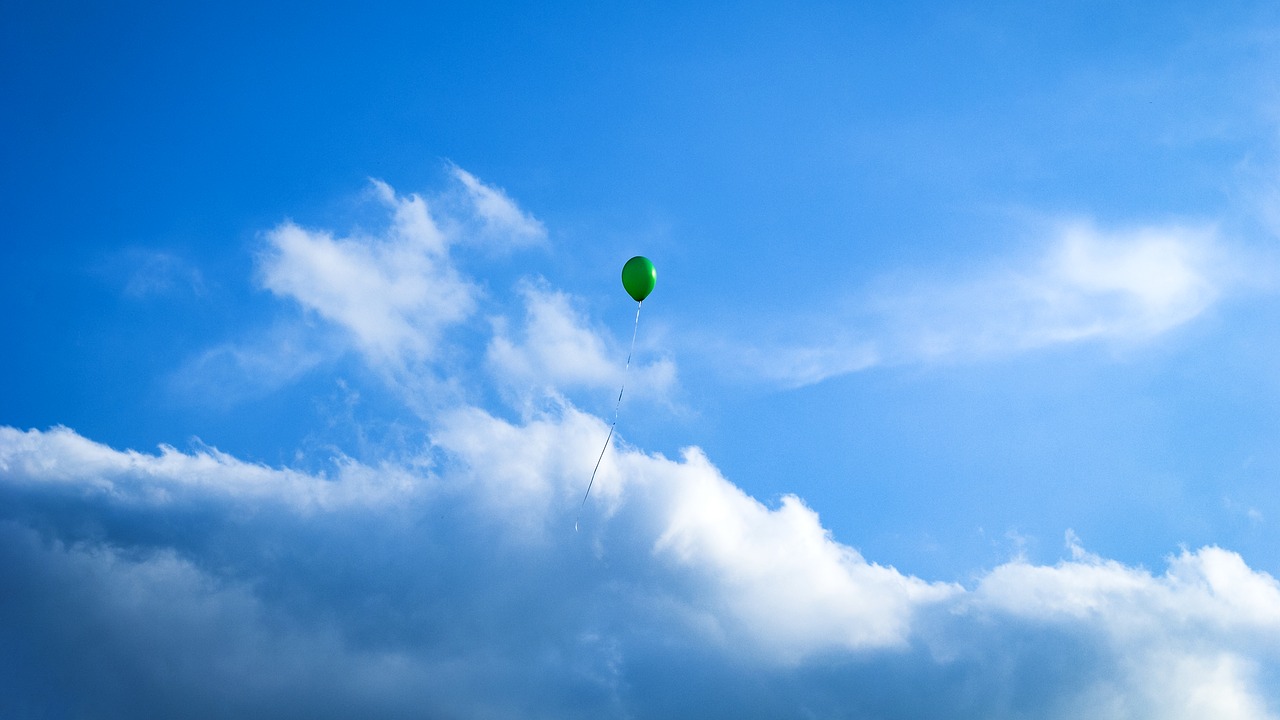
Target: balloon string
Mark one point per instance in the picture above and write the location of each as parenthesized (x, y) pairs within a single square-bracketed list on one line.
[(616, 405)]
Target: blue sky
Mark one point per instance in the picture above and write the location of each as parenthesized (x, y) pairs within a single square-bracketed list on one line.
[(956, 396)]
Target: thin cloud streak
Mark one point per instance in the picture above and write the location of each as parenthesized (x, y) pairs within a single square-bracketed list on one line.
[(62, 458), (1088, 285), (497, 214)]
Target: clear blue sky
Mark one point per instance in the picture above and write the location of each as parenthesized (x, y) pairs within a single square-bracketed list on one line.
[(962, 307)]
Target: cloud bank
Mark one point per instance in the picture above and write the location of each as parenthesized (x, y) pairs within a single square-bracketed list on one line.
[(143, 584), (451, 583)]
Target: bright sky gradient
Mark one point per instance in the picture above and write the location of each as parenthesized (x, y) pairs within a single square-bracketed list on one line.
[(956, 398)]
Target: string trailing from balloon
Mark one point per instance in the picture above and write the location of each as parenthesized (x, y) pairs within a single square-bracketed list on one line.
[(614, 424)]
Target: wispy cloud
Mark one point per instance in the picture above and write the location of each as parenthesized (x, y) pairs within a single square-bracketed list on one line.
[(495, 216), (231, 372), (555, 349), (143, 273), (62, 458), (1087, 284), (389, 293), (800, 365)]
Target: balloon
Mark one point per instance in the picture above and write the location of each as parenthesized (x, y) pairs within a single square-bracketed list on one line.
[(638, 277)]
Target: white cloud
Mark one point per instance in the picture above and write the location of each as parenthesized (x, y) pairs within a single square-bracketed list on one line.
[(366, 589), (555, 349), (1124, 285), (499, 217), (1185, 644), (145, 633), (797, 366), (229, 372), (1088, 284), (150, 273), (63, 458), (778, 575), (395, 293), (1211, 586), (773, 578)]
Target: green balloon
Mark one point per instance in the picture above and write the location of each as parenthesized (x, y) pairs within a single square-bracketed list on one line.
[(638, 277)]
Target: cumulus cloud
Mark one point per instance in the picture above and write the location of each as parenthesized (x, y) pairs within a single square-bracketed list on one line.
[(391, 292), (771, 578), (780, 578), (1184, 644), (238, 589), (1211, 587), (1088, 284)]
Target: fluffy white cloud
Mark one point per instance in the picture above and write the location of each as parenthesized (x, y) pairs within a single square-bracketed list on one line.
[(391, 291), (779, 577), (137, 632), (395, 293), (1091, 284), (771, 578), (1138, 283), (365, 588), (1211, 586), (1185, 644)]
